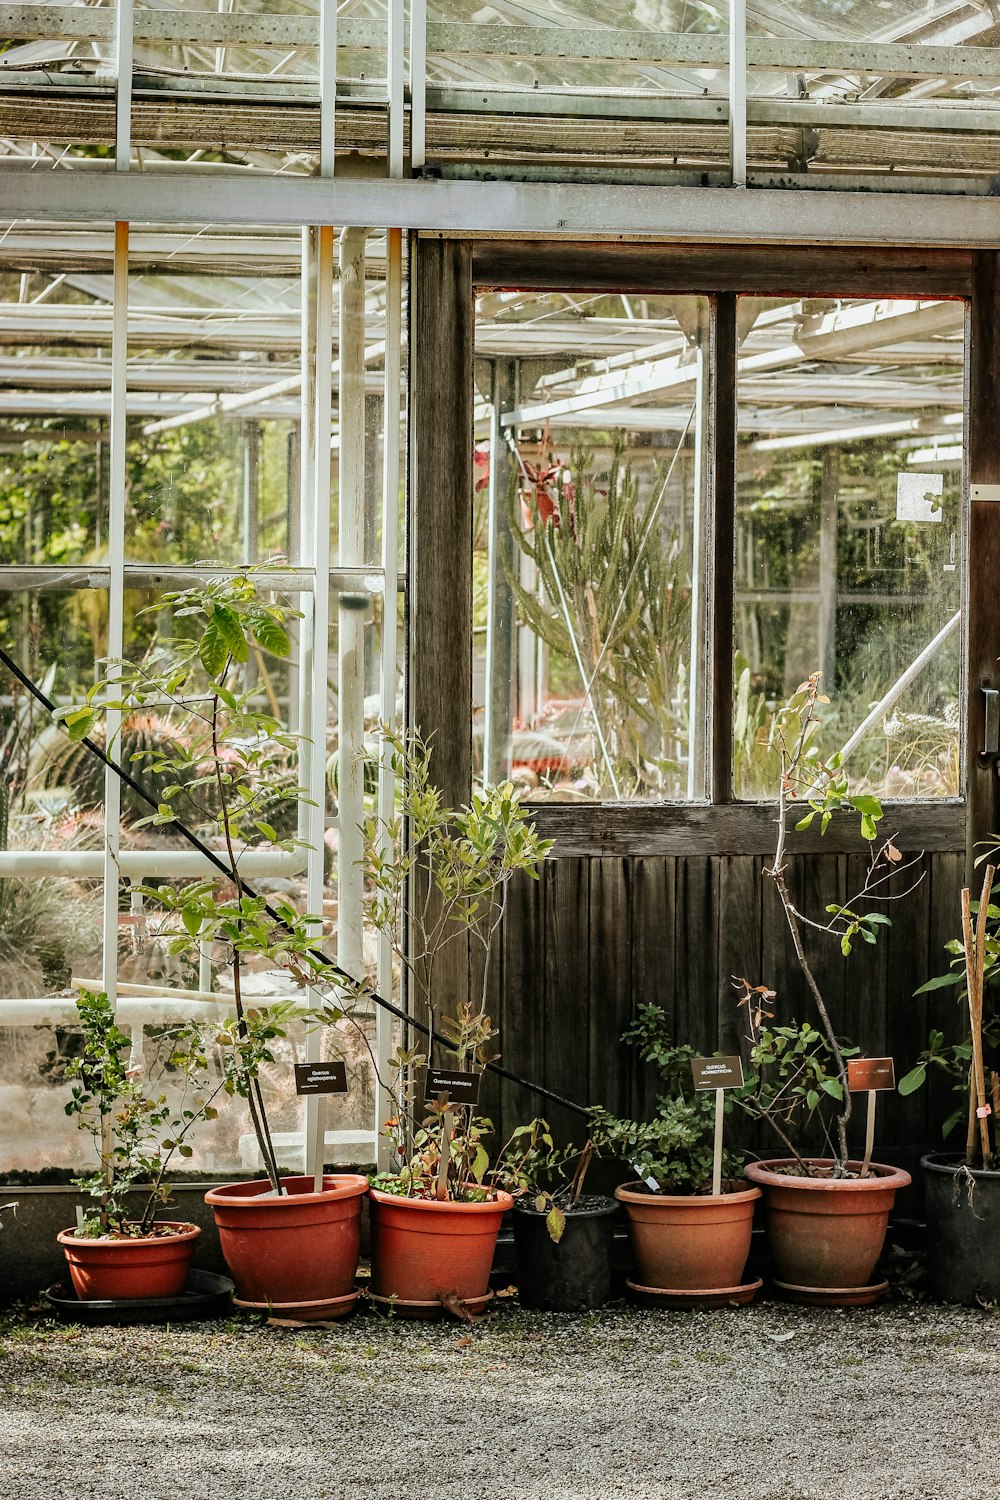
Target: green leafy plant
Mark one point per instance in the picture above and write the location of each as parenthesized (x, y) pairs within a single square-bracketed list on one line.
[(434, 875), (975, 1059), (673, 1152), (806, 781), (137, 1131), (219, 772), (548, 1177), (796, 1079)]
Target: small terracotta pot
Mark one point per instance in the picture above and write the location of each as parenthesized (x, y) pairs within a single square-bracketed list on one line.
[(134, 1270), (691, 1242), (423, 1249), (301, 1247), (826, 1231)]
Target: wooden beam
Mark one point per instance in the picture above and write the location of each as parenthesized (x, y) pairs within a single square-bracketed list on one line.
[(651, 830), (440, 536), (983, 616), (764, 270)]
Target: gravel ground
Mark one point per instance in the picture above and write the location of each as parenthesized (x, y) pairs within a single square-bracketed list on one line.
[(767, 1403)]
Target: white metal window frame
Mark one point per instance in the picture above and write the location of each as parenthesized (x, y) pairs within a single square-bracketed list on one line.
[(319, 283)]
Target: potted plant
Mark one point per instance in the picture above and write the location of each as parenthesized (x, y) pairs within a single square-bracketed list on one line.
[(689, 1246), (291, 1245), (562, 1237), (436, 876), (118, 1251), (962, 1189), (825, 1216)]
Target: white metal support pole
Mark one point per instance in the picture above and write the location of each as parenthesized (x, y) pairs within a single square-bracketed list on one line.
[(116, 605), (395, 71), (392, 416), (123, 85), (738, 91), (418, 84), (351, 611), (327, 86), (315, 634), (314, 530), (869, 1133), (696, 738), (720, 1110)]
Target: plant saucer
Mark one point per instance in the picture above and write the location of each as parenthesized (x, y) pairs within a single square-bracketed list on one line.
[(205, 1295), (324, 1310), (396, 1306), (725, 1296), (832, 1296)]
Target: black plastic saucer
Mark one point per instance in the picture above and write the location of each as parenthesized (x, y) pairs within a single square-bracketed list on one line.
[(205, 1296)]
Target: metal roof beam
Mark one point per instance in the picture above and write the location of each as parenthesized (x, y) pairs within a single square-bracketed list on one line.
[(512, 209)]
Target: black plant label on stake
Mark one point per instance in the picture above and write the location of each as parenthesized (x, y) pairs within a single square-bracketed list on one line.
[(451, 1087), (717, 1072), (321, 1078)]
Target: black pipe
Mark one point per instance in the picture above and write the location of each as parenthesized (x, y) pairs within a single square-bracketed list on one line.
[(227, 870)]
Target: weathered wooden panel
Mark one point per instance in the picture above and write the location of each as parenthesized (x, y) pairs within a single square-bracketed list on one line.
[(769, 270), (583, 830), (593, 939)]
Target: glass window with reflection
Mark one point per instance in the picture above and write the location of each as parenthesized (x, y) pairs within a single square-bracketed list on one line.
[(589, 545), (849, 542)]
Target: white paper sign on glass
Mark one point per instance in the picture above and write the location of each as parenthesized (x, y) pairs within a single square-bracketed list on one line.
[(918, 497)]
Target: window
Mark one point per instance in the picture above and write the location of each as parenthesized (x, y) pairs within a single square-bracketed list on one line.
[(595, 441), (176, 408)]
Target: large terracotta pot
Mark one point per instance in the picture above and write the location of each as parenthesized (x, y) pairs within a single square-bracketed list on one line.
[(826, 1232), (300, 1248), (691, 1242), (118, 1270), (423, 1249)]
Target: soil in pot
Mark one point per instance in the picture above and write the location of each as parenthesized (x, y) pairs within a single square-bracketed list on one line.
[(573, 1273), (423, 1249), (300, 1248), (692, 1242), (963, 1230), (824, 1231), (130, 1268)]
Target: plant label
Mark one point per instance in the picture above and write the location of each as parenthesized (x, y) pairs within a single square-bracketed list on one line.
[(717, 1072), (865, 1075), (321, 1078), (451, 1086)]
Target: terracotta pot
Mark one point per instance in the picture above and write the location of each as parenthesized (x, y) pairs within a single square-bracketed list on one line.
[(130, 1270), (690, 1242), (826, 1231), (301, 1247), (423, 1249)]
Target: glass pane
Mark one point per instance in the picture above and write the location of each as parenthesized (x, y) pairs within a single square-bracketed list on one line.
[(849, 536), (214, 394), (589, 545), (51, 791), (55, 331)]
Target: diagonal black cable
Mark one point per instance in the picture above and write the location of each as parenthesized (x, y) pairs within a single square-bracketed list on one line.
[(225, 869)]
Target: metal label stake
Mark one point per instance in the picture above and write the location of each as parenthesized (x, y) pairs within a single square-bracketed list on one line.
[(718, 1073), (871, 1076)]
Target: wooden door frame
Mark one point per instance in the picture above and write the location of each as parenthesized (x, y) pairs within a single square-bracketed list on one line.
[(446, 273)]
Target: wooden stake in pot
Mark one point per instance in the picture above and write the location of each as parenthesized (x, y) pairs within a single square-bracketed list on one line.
[(718, 1073), (975, 964), (870, 1075)]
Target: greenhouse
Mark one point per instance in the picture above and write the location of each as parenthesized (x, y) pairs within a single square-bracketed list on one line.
[(499, 732)]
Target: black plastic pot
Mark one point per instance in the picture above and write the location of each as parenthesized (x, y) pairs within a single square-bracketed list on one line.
[(963, 1230), (573, 1274)]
